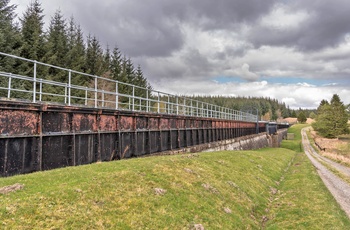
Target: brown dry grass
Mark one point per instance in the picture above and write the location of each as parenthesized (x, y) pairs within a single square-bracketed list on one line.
[(335, 149)]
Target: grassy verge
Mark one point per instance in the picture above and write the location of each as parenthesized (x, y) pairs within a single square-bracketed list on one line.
[(303, 201)]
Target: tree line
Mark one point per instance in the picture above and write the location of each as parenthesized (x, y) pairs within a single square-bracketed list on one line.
[(62, 44), (265, 108)]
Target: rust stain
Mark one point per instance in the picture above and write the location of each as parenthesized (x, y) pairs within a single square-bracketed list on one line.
[(84, 122), (108, 123), (141, 123), (18, 122), (153, 123), (126, 123), (164, 123)]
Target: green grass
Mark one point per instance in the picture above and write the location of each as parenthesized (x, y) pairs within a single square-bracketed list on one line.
[(220, 190)]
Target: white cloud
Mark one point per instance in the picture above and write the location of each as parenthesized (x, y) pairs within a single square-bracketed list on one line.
[(282, 17)]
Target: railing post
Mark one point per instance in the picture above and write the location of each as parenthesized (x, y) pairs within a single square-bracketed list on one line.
[(95, 91), (158, 103), (69, 86), (9, 87), (177, 105), (65, 94), (133, 98), (34, 82), (147, 102), (185, 106), (40, 90), (103, 98), (86, 96), (116, 95)]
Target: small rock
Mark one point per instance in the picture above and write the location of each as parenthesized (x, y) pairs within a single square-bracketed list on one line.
[(11, 188), (273, 190), (227, 210), (159, 191), (188, 170), (198, 227)]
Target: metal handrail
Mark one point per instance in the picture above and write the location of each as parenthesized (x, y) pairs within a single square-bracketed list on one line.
[(99, 96)]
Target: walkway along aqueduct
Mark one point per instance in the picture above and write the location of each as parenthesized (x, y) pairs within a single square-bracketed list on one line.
[(47, 124)]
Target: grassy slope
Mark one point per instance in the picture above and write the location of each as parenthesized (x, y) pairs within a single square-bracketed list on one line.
[(199, 188)]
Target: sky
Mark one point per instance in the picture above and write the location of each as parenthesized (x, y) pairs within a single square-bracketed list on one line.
[(296, 51)]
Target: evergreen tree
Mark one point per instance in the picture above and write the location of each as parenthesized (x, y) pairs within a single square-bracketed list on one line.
[(94, 57), (302, 117), (9, 41), (332, 118), (116, 65), (9, 35), (75, 57), (32, 32), (57, 47)]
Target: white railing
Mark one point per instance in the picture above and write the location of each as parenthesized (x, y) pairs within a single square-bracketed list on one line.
[(101, 92)]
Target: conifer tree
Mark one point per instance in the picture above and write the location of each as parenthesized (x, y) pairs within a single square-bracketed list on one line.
[(9, 35), (57, 47), (32, 32), (94, 57), (9, 41), (331, 120)]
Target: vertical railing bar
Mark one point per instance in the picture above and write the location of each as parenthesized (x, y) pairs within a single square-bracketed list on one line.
[(116, 95), (34, 82), (9, 87), (158, 103), (41, 90), (133, 98), (95, 91), (86, 96), (69, 86), (65, 93)]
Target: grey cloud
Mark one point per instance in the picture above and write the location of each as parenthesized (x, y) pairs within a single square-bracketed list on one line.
[(327, 26)]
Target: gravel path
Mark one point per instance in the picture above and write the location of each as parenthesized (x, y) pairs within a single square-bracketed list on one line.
[(338, 187)]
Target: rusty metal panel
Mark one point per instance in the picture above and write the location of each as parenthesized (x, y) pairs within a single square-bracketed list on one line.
[(141, 123), (18, 122), (153, 123), (84, 122), (180, 124), (55, 122), (164, 124), (107, 123), (172, 123)]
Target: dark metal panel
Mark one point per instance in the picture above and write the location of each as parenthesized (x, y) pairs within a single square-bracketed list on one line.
[(140, 147), (55, 122), (165, 140), (85, 149), (56, 152), (126, 145), (108, 148), (174, 139), (155, 141)]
